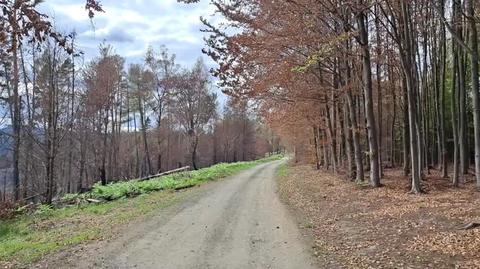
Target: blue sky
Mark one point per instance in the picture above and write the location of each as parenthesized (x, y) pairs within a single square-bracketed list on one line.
[(132, 25)]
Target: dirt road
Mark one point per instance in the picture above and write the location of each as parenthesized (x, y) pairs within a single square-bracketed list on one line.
[(238, 222)]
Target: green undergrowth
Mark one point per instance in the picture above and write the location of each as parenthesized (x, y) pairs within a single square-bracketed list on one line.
[(133, 188), (282, 170), (29, 237)]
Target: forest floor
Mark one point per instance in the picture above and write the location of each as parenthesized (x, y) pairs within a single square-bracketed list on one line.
[(355, 226)]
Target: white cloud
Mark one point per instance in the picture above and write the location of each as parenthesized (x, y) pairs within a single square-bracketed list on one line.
[(132, 25)]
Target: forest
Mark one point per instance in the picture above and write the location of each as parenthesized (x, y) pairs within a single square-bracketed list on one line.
[(350, 86), (304, 134), (360, 86), (67, 124)]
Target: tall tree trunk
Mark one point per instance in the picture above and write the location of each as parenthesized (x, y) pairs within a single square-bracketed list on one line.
[(354, 130), (406, 128), (461, 91), (394, 117), (30, 110), (441, 97), (144, 136), (379, 86), (458, 82), (51, 134), (367, 87), (137, 154), (348, 141), (407, 58), (315, 143), (331, 134), (455, 83), (72, 115), (194, 151), (356, 138), (83, 153), (475, 85), (159, 136), (103, 168), (15, 106)]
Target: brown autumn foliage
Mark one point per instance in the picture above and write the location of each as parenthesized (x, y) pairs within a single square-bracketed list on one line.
[(372, 82), (380, 89)]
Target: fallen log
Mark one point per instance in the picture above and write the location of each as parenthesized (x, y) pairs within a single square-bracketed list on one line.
[(174, 171), (33, 196), (469, 226)]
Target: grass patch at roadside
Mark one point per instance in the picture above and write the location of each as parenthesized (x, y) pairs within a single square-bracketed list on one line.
[(282, 170), (28, 237), (132, 188)]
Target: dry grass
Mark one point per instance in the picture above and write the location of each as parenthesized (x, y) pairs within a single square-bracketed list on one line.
[(359, 227)]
